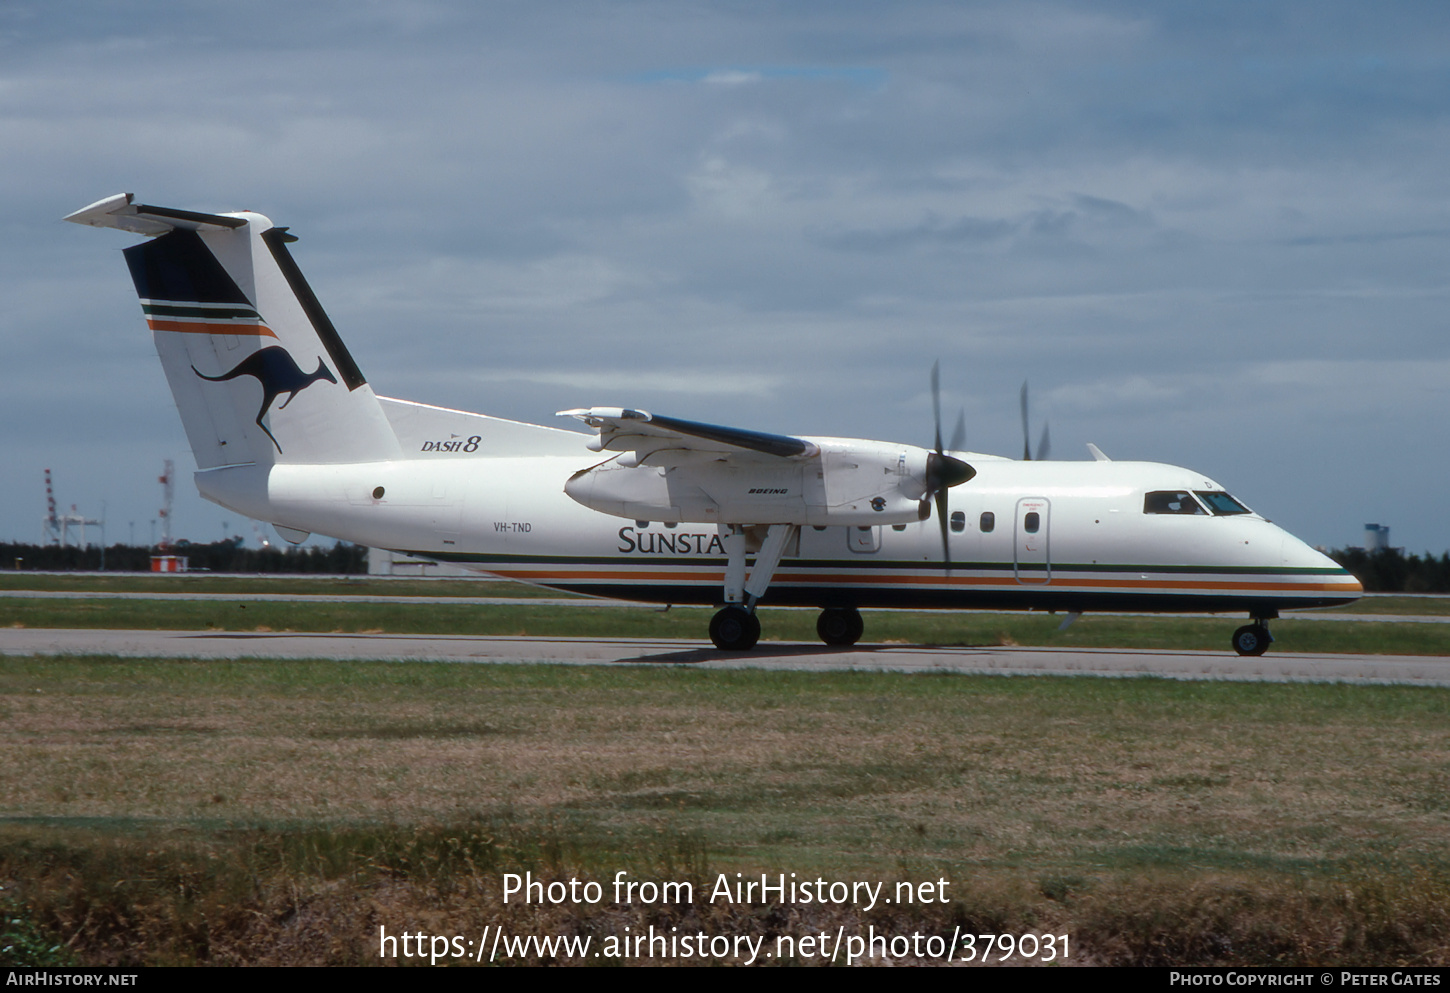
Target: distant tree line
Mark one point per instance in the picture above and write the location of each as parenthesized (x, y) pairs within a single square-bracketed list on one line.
[(218, 556), (1390, 570)]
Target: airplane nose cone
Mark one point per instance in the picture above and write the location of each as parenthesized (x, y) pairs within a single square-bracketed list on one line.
[(1335, 580)]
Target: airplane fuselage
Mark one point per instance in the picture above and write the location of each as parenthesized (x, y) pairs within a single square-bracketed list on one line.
[(1092, 545)]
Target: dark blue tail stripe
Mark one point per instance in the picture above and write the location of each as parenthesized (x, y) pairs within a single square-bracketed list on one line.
[(178, 266)]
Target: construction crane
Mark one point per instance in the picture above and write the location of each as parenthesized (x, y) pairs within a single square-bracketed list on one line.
[(50, 526), (56, 527), (168, 489)]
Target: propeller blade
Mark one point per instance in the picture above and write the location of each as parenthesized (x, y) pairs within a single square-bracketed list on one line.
[(959, 433), (936, 401), (942, 473), (1026, 445), (941, 516), (1044, 444), (942, 470)]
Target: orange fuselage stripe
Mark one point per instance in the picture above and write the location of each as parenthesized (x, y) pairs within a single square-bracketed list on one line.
[(205, 327)]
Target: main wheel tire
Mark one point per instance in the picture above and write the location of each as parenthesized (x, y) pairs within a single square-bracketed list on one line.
[(734, 629), (840, 625), (1252, 639)]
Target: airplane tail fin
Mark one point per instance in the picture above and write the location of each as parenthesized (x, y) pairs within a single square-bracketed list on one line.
[(259, 373)]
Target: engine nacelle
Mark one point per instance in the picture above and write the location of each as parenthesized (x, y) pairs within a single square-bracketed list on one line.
[(850, 483)]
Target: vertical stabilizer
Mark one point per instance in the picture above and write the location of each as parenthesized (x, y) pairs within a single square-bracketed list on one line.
[(259, 373)]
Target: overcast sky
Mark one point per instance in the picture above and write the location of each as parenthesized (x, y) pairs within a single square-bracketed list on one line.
[(1213, 235)]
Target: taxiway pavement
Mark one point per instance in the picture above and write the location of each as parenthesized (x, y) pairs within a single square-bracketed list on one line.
[(1413, 669)]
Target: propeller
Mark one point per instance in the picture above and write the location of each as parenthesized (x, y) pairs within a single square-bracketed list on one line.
[(1044, 443), (959, 433), (942, 470)]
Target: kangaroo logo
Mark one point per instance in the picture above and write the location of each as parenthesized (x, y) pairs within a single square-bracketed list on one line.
[(278, 374)]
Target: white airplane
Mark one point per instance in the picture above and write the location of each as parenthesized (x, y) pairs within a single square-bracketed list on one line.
[(658, 509)]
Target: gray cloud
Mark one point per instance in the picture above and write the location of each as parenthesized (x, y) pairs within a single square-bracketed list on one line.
[(1208, 237)]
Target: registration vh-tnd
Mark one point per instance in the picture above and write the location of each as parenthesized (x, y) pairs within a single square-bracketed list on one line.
[(285, 429)]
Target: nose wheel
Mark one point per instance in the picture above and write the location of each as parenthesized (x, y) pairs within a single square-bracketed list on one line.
[(840, 625), (1253, 639)]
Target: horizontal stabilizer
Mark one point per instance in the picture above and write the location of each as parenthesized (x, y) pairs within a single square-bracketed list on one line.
[(122, 212)]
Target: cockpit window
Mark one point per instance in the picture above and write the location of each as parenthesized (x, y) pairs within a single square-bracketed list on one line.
[(1172, 502), (1221, 503)]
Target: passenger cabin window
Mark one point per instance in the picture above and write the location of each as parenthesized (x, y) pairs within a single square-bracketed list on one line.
[(988, 522), (959, 521), (1221, 504), (1172, 502), (1031, 522)]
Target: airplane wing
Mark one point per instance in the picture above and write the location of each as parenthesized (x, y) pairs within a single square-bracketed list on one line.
[(674, 470), (624, 430)]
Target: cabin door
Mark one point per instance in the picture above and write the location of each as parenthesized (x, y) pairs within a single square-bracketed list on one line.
[(1030, 540)]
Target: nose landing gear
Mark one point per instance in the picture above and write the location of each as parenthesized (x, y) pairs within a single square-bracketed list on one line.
[(1253, 639)]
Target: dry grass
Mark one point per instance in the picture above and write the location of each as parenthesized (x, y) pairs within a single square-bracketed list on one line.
[(1160, 821)]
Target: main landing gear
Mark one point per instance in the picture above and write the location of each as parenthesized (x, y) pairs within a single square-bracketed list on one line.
[(840, 625), (1254, 639), (735, 627)]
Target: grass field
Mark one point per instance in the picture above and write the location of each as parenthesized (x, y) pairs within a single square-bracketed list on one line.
[(162, 811), (173, 812)]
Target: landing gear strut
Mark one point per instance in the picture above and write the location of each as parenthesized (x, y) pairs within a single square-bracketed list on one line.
[(735, 628), (1253, 639), (840, 625)]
